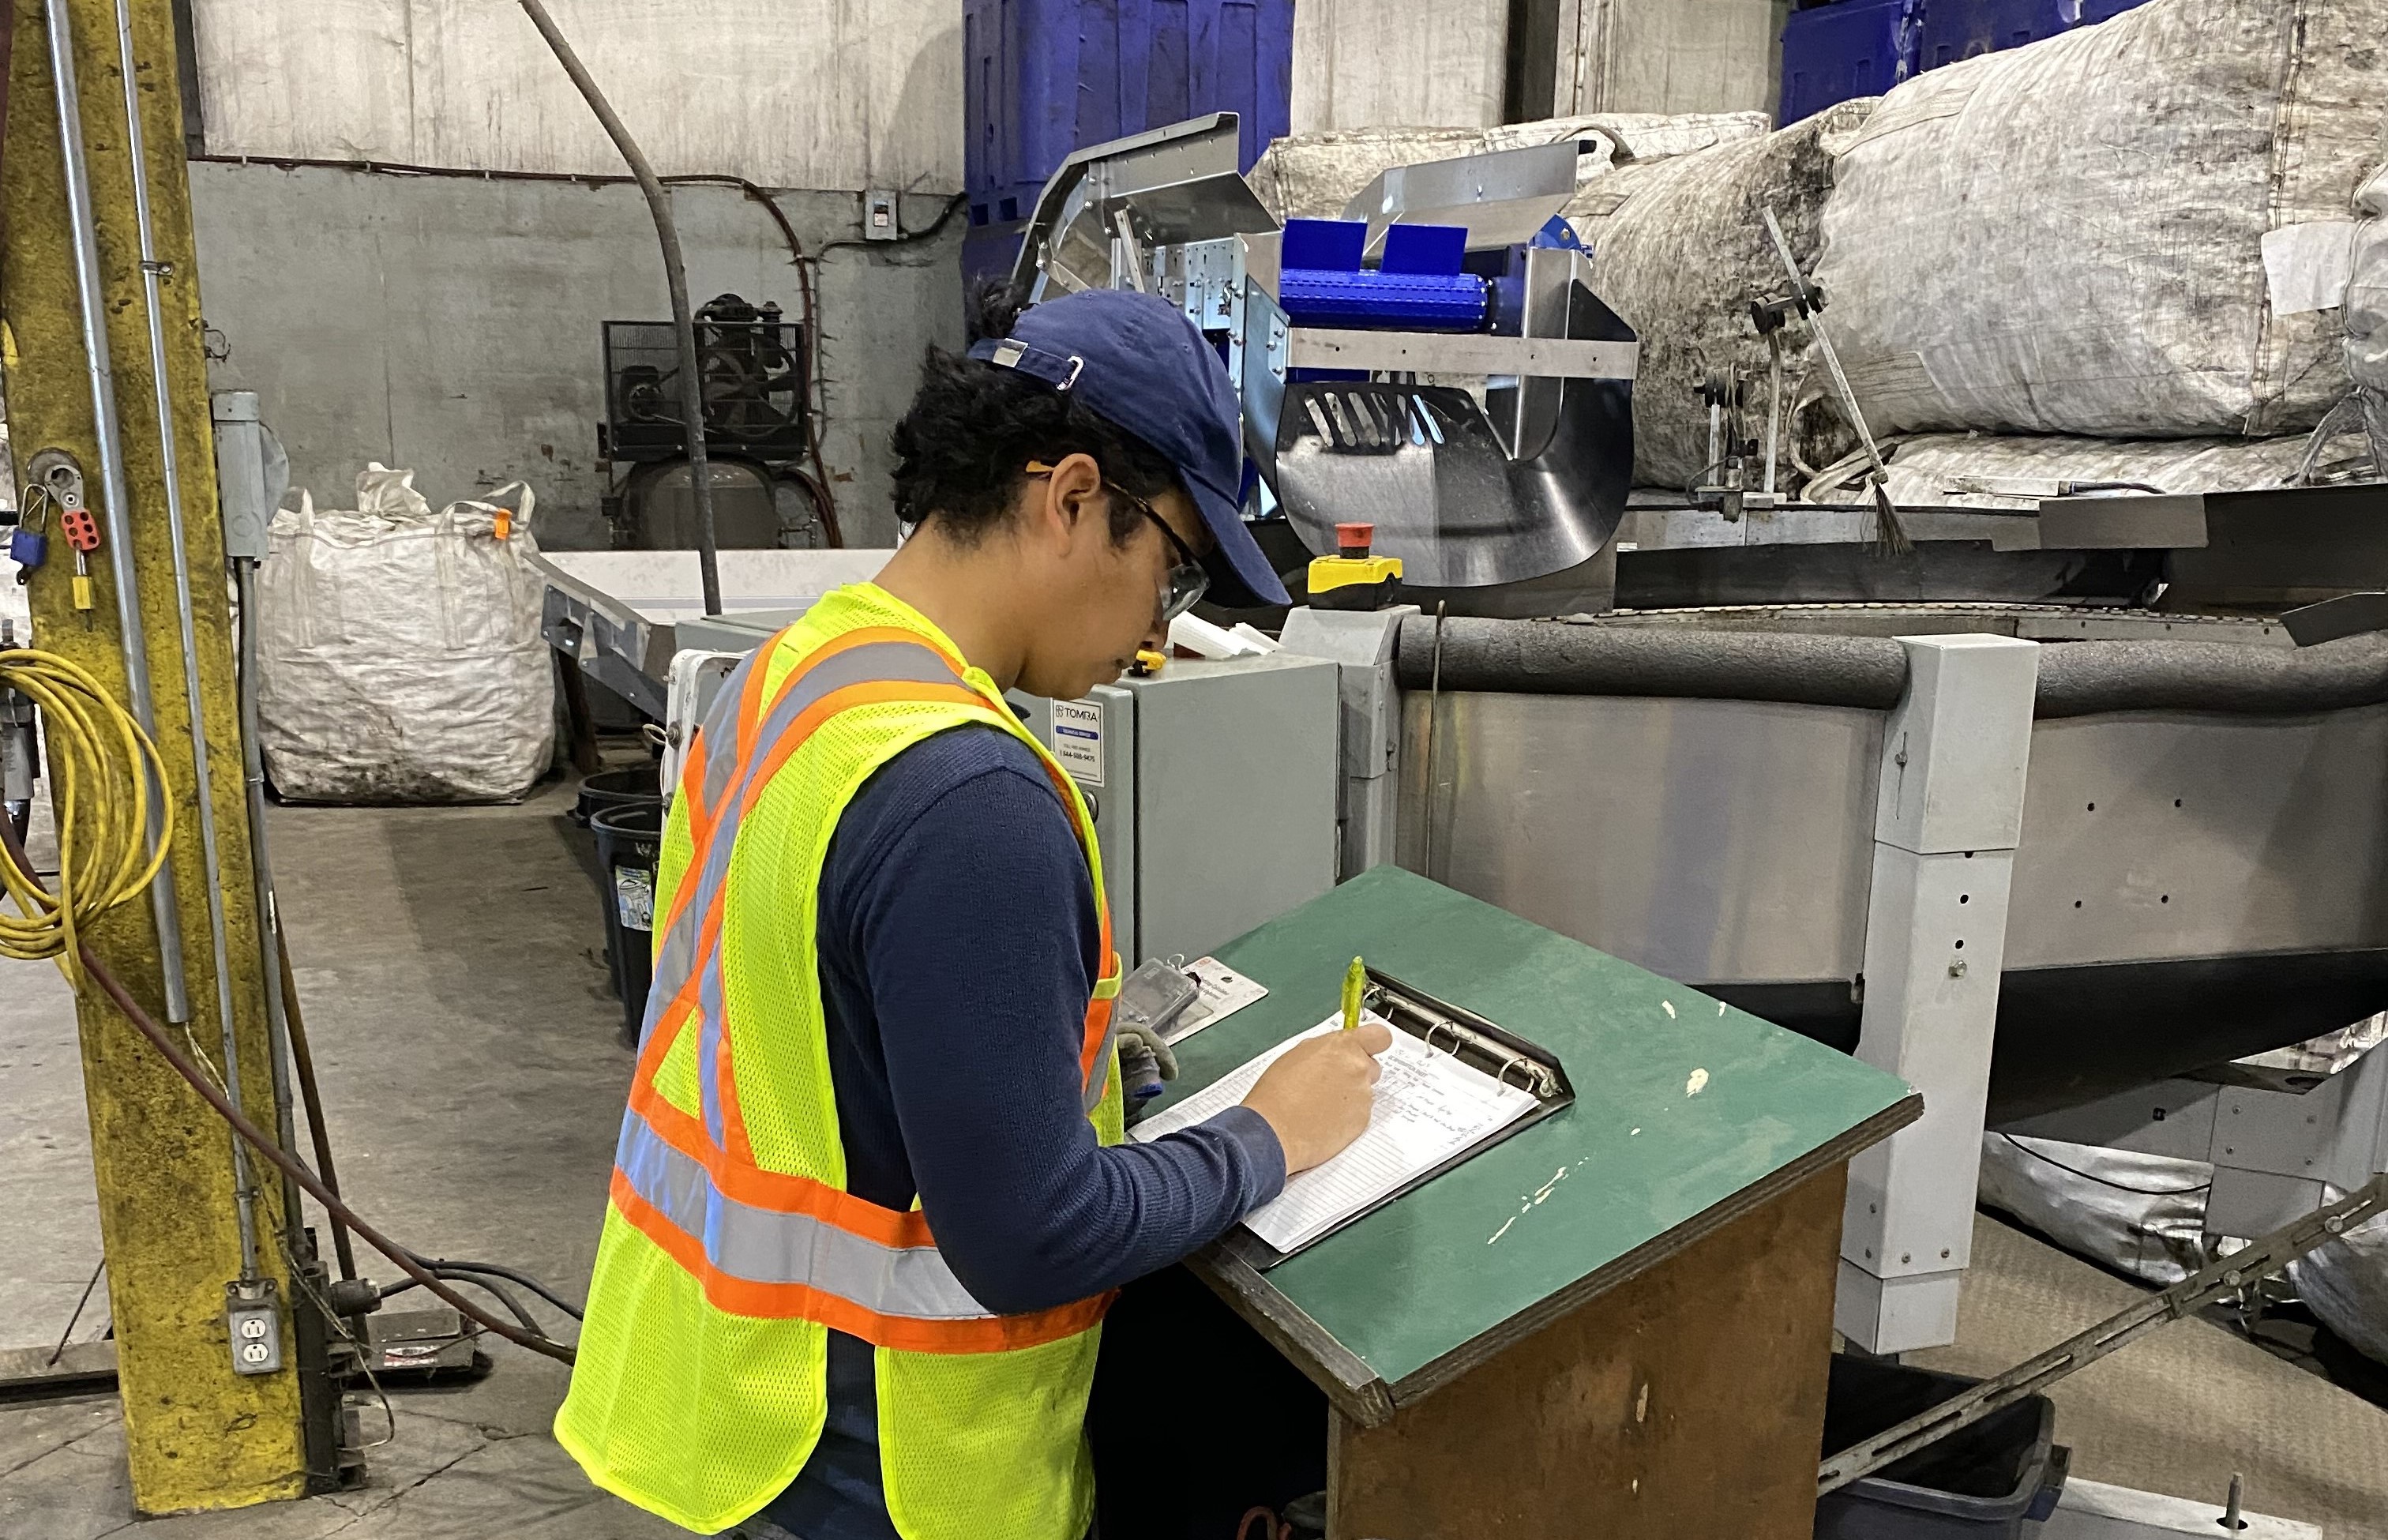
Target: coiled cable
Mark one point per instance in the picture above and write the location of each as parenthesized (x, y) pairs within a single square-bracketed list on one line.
[(101, 764)]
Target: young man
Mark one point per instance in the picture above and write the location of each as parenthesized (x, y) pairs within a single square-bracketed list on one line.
[(870, 1198)]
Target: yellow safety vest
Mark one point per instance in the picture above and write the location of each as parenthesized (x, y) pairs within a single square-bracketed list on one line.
[(730, 1245)]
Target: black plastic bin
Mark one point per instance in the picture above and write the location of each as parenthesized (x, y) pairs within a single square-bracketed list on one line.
[(1978, 1482), (629, 839), (618, 788)]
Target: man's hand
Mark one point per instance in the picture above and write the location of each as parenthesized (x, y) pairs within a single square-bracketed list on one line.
[(1316, 1096)]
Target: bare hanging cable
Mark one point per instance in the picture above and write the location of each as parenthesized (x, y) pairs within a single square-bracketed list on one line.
[(692, 387)]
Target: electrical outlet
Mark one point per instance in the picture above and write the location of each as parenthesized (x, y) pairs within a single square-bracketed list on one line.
[(254, 1318)]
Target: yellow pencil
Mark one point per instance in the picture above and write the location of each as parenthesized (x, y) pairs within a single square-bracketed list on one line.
[(1355, 979)]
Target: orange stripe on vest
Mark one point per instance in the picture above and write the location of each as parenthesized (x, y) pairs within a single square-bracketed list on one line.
[(802, 1302)]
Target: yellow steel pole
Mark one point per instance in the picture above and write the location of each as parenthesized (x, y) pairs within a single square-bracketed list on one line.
[(197, 1435)]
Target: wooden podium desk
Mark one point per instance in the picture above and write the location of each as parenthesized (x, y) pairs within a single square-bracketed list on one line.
[(1617, 1322)]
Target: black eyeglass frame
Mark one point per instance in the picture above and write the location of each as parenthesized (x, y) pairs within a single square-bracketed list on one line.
[(1188, 579)]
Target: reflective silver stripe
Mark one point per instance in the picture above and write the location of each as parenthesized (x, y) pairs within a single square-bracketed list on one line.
[(723, 769), (871, 663), (761, 1246), (721, 727), (719, 731), (1092, 1096)]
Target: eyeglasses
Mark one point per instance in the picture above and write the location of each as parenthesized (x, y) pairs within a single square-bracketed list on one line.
[(1187, 578)]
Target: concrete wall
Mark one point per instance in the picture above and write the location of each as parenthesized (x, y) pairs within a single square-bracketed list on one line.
[(1362, 63), (1670, 55), (452, 325), (1372, 63), (844, 94)]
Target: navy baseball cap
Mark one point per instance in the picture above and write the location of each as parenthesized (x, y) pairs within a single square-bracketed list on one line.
[(1139, 364)]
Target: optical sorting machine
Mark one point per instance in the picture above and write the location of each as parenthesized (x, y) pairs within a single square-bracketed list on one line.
[(2057, 860)]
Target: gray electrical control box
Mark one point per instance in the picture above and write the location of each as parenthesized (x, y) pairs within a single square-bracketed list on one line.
[(1214, 789), (241, 477), (1214, 785)]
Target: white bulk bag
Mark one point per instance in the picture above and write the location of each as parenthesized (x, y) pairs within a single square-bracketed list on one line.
[(1679, 246), (1965, 470), (1314, 175), (2367, 288), (2131, 229), (399, 650)]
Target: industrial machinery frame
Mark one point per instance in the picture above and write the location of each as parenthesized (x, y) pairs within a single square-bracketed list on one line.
[(2024, 877)]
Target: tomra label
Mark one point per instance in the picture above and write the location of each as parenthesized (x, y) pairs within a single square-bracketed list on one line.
[(1078, 738)]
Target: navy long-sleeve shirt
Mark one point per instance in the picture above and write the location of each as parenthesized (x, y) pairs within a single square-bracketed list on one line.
[(958, 945)]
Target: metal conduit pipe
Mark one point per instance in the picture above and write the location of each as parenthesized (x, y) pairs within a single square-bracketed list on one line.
[(692, 388), (153, 273), (109, 434), (269, 911)]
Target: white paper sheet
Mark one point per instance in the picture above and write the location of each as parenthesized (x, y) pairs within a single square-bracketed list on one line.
[(1429, 1107), (2306, 266)]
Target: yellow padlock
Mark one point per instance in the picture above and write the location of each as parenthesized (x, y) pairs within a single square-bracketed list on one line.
[(81, 588)]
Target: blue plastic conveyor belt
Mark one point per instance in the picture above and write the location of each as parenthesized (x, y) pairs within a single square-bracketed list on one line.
[(1383, 302)]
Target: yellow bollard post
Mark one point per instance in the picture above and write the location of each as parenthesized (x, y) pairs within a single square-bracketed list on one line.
[(198, 1435)]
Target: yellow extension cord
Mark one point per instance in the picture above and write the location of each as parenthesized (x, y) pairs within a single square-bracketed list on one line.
[(100, 766)]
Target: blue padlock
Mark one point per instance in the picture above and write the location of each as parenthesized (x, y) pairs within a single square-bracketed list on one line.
[(28, 548)]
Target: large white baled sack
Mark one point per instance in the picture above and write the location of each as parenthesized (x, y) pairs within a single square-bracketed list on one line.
[(1606, 139), (399, 650), (1965, 470), (1314, 175), (1679, 245), (2136, 229), (2367, 288)]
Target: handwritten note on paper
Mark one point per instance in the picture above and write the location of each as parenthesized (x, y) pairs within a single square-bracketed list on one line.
[(1429, 1107)]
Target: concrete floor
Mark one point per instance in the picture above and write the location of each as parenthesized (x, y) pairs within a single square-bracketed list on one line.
[(449, 968), (2179, 1411), (448, 964)]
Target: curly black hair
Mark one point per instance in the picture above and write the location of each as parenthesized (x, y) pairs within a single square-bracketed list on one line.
[(963, 446)]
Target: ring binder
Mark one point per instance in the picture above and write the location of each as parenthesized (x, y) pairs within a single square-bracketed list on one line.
[(1473, 1040), (1481, 1045)]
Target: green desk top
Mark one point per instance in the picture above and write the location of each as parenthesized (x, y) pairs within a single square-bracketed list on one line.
[(1635, 1156)]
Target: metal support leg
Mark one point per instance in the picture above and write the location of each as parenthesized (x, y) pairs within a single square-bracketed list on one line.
[(1362, 643), (1948, 820)]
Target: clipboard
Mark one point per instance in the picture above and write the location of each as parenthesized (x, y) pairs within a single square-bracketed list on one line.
[(1474, 1041)]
